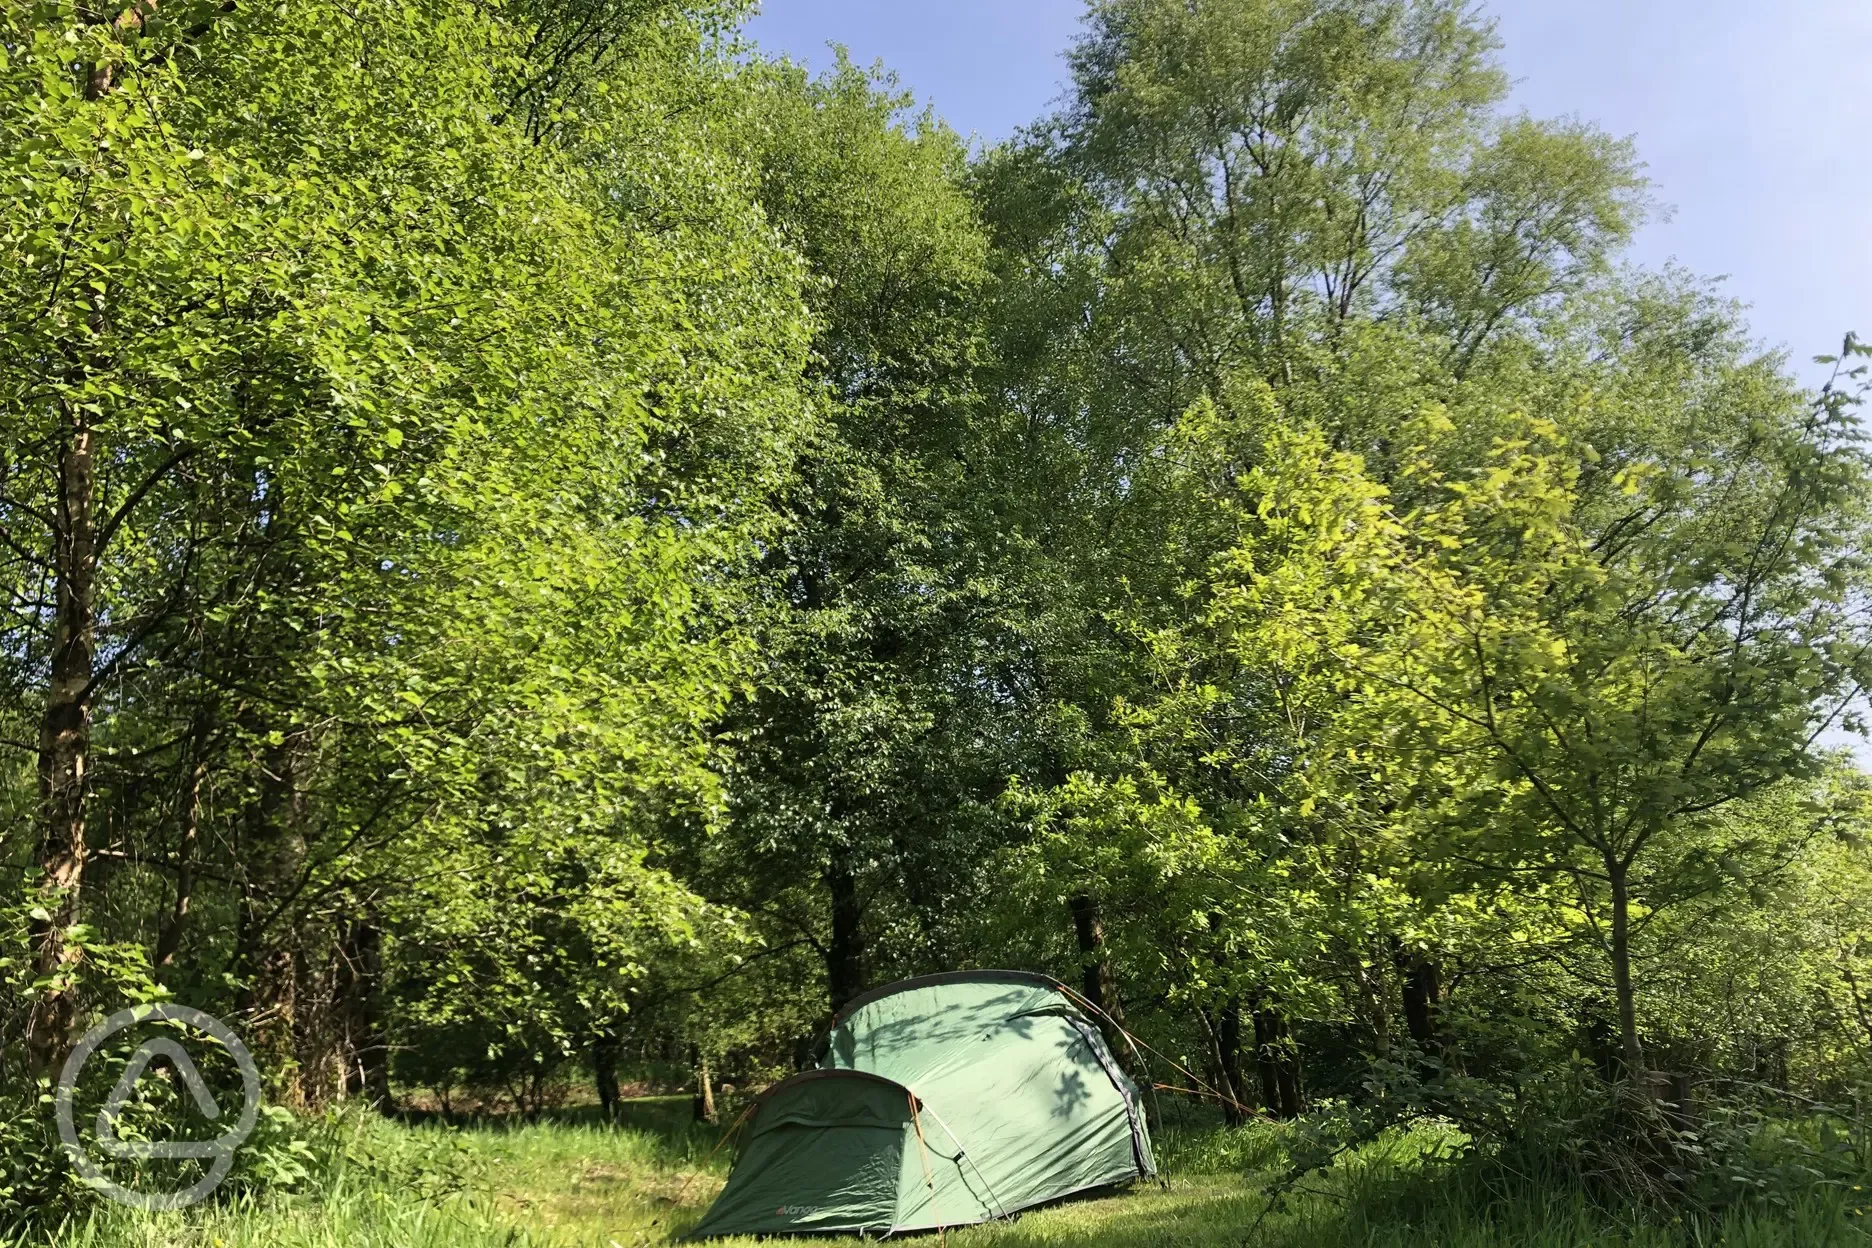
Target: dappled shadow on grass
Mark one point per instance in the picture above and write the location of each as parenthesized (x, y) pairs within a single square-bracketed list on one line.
[(1199, 1212), (1393, 1194), (1194, 1212), (575, 1180)]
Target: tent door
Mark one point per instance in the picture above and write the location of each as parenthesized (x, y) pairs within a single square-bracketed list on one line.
[(799, 1176)]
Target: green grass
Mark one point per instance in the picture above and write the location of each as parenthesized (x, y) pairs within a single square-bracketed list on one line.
[(577, 1183)]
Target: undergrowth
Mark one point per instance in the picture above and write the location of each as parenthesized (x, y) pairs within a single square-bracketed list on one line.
[(578, 1182)]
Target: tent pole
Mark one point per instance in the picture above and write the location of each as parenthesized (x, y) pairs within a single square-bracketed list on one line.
[(1131, 1042), (961, 1152), (929, 1177)]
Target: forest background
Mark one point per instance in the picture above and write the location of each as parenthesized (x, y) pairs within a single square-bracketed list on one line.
[(541, 545)]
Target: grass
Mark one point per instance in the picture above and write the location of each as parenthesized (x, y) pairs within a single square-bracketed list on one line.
[(579, 1183)]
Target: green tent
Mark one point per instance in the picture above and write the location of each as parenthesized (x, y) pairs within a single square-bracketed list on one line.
[(937, 1102)]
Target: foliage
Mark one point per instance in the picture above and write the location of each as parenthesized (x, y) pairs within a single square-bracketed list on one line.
[(430, 455), (543, 547)]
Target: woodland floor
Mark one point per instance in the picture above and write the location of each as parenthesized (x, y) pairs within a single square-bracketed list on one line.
[(575, 1183)]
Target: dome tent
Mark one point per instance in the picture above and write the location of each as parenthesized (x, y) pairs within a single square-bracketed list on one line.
[(937, 1102)]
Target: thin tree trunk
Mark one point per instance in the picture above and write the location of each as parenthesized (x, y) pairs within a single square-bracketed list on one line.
[(273, 854), (64, 745), (1217, 1079), (1278, 1058), (374, 1055), (846, 973), (1267, 1063), (1424, 995), (1375, 986), (1423, 992), (65, 736), (604, 1076), (1226, 1039), (1229, 1044), (705, 1087), (169, 942), (1100, 985), (1293, 1100), (1631, 1051)]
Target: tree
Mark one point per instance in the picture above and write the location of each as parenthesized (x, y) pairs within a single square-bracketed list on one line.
[(1252, 215), (434, 455), (852, 766), (1578, 696)]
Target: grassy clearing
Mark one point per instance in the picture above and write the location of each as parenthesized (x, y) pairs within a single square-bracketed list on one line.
[(582, 1184)]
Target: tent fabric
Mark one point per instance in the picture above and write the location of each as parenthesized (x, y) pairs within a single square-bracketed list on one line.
[(940, 1101), (829, 1153)]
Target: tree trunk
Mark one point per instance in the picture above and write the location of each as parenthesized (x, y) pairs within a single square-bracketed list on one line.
[(1631, 1051), (705, 1087), (1226, 1037), (1267, 1064), (65, 737), (1278, 1059), (1214, 1067), (169, 942), (361, 992), (846, 974), (1228, 1042), (1374, 983), (1423, 998), (273, 854), (64, 745), (1100, 986), (604, 1076)]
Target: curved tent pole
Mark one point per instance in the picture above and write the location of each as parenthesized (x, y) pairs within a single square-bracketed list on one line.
[(962, 1152), (929, 1177), (1131, 1042)]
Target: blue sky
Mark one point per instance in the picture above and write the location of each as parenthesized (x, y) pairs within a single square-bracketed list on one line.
[(1752, 117)]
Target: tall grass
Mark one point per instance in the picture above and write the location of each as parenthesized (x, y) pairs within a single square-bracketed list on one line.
[(581, 1183)]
